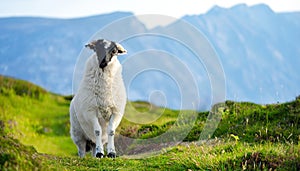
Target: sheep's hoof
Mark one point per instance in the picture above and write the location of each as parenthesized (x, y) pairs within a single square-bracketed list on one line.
[(99, 155), (111, 155)]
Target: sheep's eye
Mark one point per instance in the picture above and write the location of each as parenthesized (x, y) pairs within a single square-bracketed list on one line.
[(114, 51)]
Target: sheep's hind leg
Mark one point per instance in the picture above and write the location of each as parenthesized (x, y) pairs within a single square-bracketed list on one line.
[(81, 146)]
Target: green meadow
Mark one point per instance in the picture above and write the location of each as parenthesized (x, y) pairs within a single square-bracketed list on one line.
[(34, 128)]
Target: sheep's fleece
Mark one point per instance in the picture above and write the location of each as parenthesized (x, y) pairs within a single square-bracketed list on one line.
[(98, 107)]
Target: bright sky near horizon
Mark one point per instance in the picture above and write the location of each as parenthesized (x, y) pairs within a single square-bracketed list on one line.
[(173, 8)]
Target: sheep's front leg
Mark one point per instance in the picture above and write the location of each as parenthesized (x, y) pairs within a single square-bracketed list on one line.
[(98, 134), (114, 121)]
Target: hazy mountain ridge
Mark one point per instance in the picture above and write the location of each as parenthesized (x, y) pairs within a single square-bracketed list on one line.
[(257, 48), (49, 47)]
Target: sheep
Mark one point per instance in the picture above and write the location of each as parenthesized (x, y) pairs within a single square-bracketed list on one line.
[(98, 107)]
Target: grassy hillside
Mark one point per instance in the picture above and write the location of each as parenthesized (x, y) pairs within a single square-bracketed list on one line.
[(35, 117), (249, 136)]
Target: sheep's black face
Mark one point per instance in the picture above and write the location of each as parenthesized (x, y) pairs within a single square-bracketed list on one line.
[(106, 50)]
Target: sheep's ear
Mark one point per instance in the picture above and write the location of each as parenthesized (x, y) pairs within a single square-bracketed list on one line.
[(121, 50), (91, 45)]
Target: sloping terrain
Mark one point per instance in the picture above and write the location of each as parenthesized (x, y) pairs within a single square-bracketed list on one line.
[(249, 136)]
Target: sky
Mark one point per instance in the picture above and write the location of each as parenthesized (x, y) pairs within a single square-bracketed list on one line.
[(173, 8)]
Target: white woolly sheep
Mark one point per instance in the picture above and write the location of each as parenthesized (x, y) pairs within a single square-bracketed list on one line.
[(98, 107)]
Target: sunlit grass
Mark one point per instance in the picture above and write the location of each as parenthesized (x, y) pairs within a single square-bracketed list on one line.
[(41, 122), (249, 136)]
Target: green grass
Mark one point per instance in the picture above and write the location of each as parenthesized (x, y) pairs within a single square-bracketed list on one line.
[(255, 123), (35, 135), (41, 120), (217, 156), (143, 120)]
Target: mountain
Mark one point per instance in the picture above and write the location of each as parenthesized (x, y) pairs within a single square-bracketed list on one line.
[(44, 50), (256, 47)]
